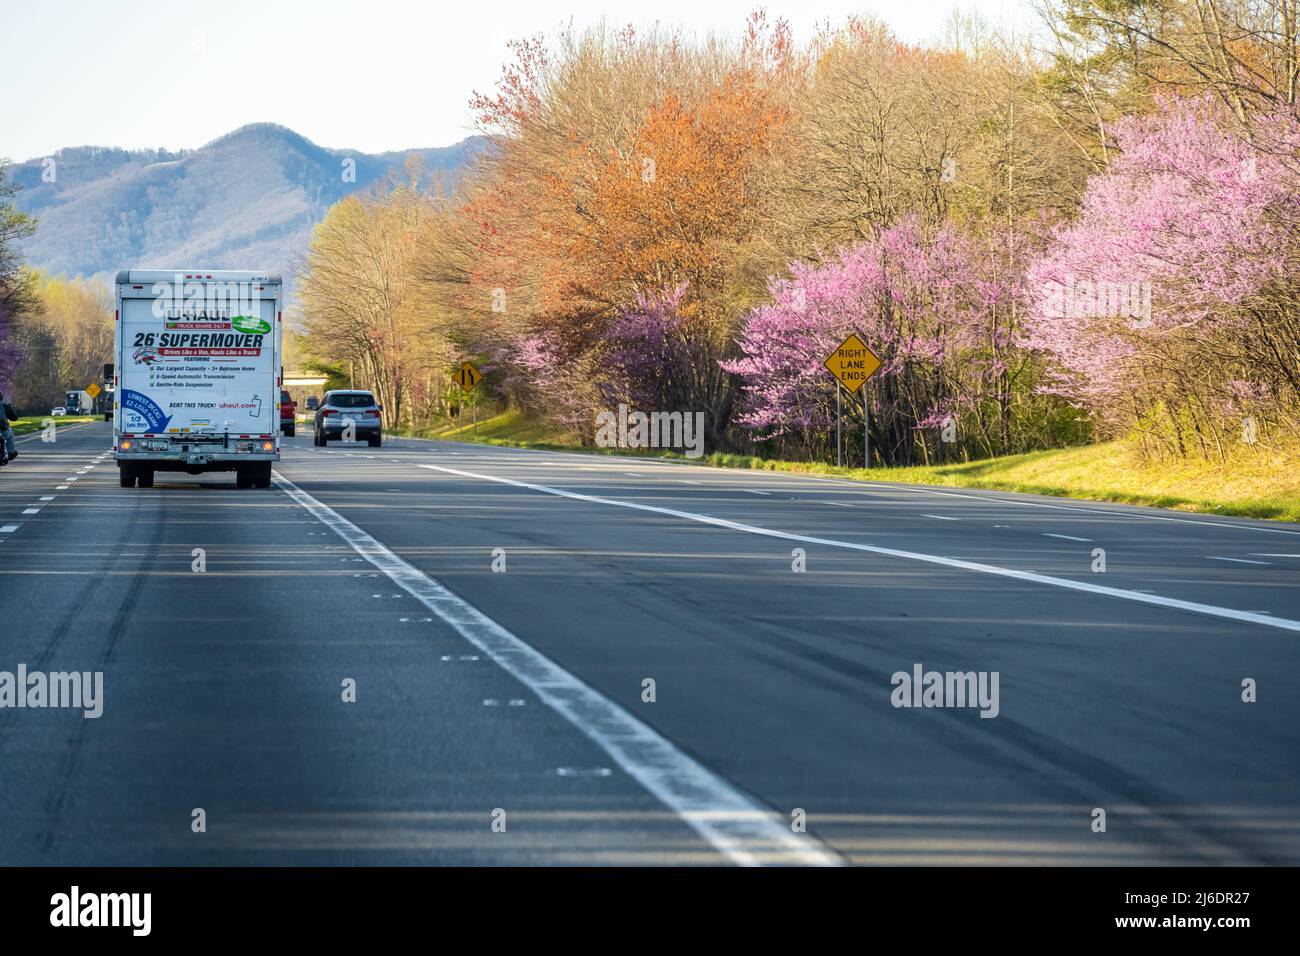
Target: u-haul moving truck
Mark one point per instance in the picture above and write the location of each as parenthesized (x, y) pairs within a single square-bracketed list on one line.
[(197, 376)]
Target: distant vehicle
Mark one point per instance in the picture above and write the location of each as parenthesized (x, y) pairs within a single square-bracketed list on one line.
[(313, 403), (58, 411), (344, 407), (288, 411), (76, 402), (197, 361)]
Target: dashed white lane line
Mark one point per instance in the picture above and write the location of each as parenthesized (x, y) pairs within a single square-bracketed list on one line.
[(31, 511), (1236, 560), (48, 497), (1267, 555), (941, 517), (1065, 537), (743, 830), (687, 481), (837, 504), (9, 528), (60, 487), (1210, 610), (754, 492)]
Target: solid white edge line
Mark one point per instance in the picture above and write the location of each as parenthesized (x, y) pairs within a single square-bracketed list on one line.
[(1031, 576), (746, 832), (65, 429), (1100, 510)]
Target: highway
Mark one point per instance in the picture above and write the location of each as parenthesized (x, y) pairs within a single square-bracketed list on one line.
[(501, 714)]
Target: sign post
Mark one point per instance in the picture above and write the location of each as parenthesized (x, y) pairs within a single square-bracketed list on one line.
[(866, 436), (839, 440), (853, 364)]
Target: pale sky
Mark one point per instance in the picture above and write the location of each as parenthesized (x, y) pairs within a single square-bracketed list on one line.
[(370, 75)]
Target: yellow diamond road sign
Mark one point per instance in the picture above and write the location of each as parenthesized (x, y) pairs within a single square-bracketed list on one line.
[(853, 363), (467, 376), (92, 390)]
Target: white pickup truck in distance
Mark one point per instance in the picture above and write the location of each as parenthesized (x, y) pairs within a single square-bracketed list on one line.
[(197, 374)]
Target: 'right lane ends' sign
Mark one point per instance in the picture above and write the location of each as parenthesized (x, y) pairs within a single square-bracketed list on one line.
[(853, 363)]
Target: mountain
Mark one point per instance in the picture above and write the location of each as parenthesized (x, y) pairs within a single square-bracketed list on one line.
[(247, 200)]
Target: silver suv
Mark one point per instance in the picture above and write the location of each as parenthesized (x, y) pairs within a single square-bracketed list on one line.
[(348, 407)]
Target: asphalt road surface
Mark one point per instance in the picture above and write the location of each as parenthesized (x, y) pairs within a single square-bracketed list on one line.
[(502, 614)]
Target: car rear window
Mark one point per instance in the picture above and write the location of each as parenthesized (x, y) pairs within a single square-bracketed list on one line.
[(352, 401)]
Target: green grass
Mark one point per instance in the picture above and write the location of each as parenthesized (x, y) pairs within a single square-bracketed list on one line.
[(1253, 484), (35, 423), (1258, 485), (509, 428)]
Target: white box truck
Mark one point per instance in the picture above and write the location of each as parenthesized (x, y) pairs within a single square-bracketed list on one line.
[(197, 374), (77, 402)]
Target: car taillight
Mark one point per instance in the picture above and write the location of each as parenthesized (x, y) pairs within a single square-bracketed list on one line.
[(328, 411)]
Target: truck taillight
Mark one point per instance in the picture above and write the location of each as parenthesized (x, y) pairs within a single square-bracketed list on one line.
[(125, 444), (268, 446)]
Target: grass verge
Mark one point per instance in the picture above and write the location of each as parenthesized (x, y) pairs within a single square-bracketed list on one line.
[(34, 423)]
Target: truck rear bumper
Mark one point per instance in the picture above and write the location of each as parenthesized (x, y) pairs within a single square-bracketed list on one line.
[(194, 462)]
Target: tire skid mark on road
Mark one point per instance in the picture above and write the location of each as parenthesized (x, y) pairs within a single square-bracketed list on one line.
[(1074, 773), (1033, 577), (78, 604), (51, 827), (737, 825)]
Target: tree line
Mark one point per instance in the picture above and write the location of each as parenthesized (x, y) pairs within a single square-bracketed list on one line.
[(1083, 234), (55, 333)]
